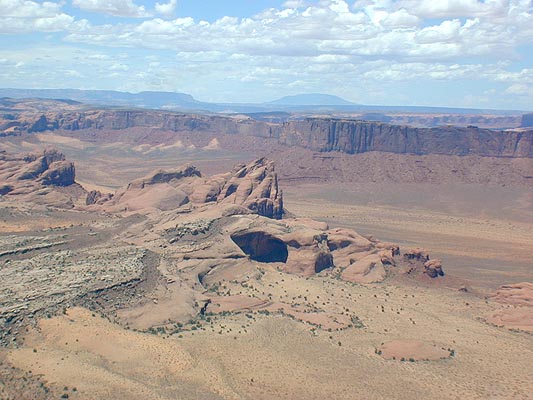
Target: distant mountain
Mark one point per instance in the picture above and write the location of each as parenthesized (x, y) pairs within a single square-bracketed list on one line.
[(302, 103), (110, 97), (311, 99)]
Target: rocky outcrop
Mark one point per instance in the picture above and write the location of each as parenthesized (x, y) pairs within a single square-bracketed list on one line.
[(160, 190), (433, 268), (517, 310), (48, 168), (251, 188), (417, 261), (38, 164), (125, 119), (369, 269), (38, 177), (97, 197), (59, 173), (516, 294), (255, 187)]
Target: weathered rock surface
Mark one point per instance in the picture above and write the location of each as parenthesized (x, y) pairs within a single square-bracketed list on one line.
[(517, 310), (161, 190), (222, 218), (317, 134), (248, 188), (366, 270), (255, 187), (97, 197), (59, 173), (517, 294), (202, 232), (39, 178)]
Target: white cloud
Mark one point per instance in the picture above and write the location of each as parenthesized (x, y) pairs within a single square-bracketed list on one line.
[(400, 19), (21, 16), (378, 28), (117, 8), (447, 31), (520, 89), (58, 23), (73, 73), (166, 9), (294, 4), (28, 9), (119, 67), (370, 46), (456, 8), (99, 57)]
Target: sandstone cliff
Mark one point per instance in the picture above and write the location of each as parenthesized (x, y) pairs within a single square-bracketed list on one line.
[(361, 136), (527, 121), (317, 134)]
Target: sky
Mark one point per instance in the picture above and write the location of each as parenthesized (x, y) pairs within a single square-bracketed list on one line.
[(458, 53)]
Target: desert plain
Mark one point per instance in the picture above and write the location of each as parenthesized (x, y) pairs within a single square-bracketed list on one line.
[(187, 284)]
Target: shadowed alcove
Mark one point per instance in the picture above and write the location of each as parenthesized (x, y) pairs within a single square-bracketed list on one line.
[(261, 246)]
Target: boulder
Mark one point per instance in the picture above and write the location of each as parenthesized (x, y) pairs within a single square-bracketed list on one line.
[(433, 268), (97, 197)]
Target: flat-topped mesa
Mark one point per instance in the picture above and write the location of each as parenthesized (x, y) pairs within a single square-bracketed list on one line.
[(318, 134), (251, 188), (353, 137)]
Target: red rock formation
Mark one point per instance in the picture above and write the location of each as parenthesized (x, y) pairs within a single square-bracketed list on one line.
[(318, 134), (36, 177), (518, 294), (517, 312), (417, 261), (433, 268), (255, 187), (248, 188)]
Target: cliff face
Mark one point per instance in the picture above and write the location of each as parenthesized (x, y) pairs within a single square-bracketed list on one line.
[(117, 120), (317, 134), (527, 121), (361, 136)]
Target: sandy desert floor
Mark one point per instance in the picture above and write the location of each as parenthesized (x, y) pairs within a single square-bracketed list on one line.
[(250, 355), (482, 234)]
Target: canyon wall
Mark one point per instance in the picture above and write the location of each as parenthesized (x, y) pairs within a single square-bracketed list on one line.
[(361, 136), (527, 121), (317, 134)]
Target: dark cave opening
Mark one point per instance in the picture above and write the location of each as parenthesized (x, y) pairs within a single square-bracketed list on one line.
[(261, 246)]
